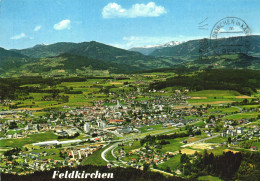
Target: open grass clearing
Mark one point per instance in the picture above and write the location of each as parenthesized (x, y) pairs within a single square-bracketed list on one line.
[(173, 163), (95, 158), (209, 178)]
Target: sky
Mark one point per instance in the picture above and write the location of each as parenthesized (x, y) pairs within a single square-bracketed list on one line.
[(120, 23)]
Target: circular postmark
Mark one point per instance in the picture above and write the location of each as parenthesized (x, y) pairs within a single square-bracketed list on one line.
[(230, 35)]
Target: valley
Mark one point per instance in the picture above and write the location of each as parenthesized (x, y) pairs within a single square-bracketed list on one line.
[(88, 105), (124, 121)]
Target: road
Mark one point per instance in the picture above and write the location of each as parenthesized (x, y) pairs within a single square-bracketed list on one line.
[(161, 171), (204, 139), (103, 154), (237, 107)]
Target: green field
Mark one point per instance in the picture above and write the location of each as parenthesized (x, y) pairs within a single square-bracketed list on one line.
[(20, 142), (95, 158), (173, 146), (243, 115), (214, 93), (127, 148), (109, 155), (150, 128), (214, 97), (217, 140), (54, 153), (173, 163), (209, 178)]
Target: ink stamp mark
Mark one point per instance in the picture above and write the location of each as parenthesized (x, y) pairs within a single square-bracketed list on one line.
[(203, 43), (230, 35)]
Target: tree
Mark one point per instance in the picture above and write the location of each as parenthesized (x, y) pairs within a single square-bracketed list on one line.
[(13, 125), (155, 166), (145, 166), (168, 169), (184, 159), (229, 139)]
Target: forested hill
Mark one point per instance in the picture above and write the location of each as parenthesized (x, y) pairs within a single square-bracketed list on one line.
[(8, 53), (42, 51), (191, 48), (107, 53), (91, 49), (234, 61), (72, 64), (243, 81)]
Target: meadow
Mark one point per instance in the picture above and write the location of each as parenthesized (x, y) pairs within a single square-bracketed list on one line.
[(95, 158), (20, 142)]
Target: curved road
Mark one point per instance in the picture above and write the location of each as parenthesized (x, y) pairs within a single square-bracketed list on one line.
[(103, 154)]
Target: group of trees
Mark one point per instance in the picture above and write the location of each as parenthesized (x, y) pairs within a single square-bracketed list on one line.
[(228, 166), (151, 140), (13, 151), (246, 102), (13, 125)]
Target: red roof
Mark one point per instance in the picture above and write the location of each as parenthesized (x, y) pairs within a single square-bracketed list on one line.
[(116, 120)]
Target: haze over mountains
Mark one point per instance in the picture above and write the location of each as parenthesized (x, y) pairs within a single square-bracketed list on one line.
[(65, 58), (146, 50)]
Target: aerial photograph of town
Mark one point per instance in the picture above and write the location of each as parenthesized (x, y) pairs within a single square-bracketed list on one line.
[(130, 90)]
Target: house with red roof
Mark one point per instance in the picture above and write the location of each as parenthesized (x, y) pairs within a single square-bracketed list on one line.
[(116, 121)]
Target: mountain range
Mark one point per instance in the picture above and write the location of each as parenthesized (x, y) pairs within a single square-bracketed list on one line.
[(191, 48), (67, 58)]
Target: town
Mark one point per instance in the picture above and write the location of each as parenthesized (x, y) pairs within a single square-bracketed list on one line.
[(141, 128)]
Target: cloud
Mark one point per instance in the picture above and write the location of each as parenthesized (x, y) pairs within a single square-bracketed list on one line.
[(64, 24), (17, 37), (150, 9), (230, 29), (222, 30), (37, 28), (145, 40)]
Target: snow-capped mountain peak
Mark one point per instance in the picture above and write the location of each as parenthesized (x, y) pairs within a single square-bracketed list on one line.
[(146, 50), (169, 44)]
